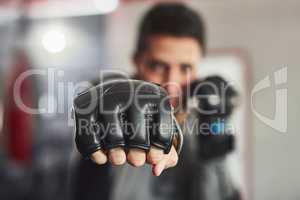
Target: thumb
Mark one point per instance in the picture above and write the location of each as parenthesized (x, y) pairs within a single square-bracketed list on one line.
[(159, 167)]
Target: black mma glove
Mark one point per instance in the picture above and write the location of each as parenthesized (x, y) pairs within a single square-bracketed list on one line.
[(216, 100), (124, 113)]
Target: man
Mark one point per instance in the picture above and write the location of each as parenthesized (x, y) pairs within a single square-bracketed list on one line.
[(171, 44)]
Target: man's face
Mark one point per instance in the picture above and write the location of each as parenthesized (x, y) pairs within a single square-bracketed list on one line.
[(171, 62)]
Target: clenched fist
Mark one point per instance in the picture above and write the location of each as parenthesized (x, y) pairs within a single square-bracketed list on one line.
[(127, 120)]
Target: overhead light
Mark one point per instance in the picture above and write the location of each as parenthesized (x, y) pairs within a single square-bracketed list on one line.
[(54, 41), (106, 6)]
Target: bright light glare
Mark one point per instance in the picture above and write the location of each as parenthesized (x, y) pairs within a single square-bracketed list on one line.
[(106, 6), (54, 41)]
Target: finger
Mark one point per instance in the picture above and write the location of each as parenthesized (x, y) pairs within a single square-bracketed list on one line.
[(154, 155), (136, 157), (169, 160), (159, 167), (117, 156), (172, 159), (99, 157)]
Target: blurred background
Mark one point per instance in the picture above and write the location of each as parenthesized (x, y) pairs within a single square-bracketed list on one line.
[(73, 39)]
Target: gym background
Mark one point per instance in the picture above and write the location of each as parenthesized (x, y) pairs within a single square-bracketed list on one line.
[(73, 39)]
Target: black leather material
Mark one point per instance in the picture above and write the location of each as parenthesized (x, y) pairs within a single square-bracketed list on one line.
[(123, 113)]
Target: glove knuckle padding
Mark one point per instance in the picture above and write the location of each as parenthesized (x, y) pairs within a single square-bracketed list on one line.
[(87, 139), (162, 134), (138, 127), (129, 113)]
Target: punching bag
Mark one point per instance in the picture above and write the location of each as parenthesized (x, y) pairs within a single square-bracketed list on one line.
[(18, 123)]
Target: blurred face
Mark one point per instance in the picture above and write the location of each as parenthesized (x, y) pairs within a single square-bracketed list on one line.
[(171, 62)]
